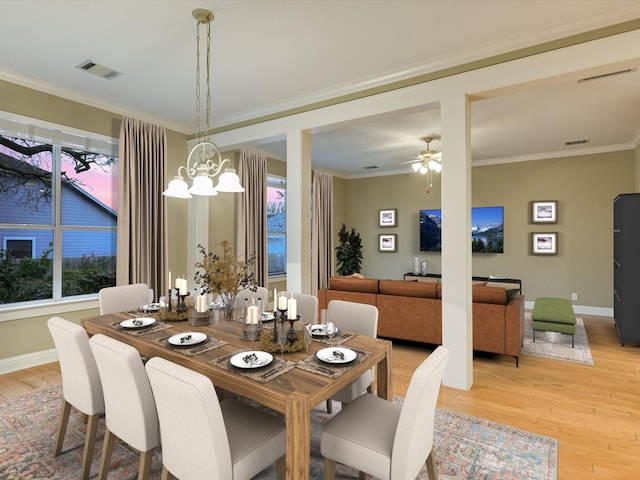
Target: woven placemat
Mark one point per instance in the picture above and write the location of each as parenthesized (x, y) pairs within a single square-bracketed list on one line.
[(339, 340), (265, 374), (137, 332), (331, 370), (210, 344)]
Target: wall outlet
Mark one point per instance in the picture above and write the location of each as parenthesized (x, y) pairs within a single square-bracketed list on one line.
[(574, 297)]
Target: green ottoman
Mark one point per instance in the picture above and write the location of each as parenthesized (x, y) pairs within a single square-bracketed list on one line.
[(553, 315)]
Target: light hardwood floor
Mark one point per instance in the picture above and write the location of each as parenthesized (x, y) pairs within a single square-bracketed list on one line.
[(593, 411)]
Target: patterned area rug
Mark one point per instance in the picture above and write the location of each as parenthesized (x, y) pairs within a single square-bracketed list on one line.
[(466, 447), (556, 345)]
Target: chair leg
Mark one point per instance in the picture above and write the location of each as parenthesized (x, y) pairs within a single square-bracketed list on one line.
[(144, 470), (534, 336), (89, 442), (329, 469), (62, 427), (431, 466), (166, 475), (329, 406), (107, 451), (281, 467)]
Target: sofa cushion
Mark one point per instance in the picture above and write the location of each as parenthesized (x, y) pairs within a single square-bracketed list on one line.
[(480, 294), (408, 289), (352, 284)]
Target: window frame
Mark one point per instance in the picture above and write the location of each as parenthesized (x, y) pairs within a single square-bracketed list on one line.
[(272, 180)]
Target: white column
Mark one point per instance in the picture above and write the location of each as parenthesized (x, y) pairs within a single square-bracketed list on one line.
[(457, 331), (299, 211)]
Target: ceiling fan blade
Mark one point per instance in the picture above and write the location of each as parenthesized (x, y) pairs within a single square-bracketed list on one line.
[(415, 160)]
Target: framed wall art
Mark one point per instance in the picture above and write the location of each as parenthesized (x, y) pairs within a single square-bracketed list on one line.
[(387, 243), (544, 211), (544, 243), (388, 218)]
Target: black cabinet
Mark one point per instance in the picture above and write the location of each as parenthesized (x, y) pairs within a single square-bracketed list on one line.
[(626, 266)]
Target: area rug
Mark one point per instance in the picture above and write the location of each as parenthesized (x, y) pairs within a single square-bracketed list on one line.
[(556, 345), (466, 447)]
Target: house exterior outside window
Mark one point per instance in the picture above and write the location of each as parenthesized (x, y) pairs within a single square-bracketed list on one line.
[(58, 191), (276, 226)]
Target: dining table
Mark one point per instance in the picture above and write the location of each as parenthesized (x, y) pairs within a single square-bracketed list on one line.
[(292, 384)]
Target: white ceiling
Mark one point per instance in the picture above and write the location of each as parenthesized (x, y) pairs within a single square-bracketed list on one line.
[(269, 56)]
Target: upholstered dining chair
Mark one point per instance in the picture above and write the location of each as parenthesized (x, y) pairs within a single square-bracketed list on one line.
[(388, 441), (130, 410), (81, 387), (357, 318), (203, 438), (251, 296), (307, 306), (122, 297)]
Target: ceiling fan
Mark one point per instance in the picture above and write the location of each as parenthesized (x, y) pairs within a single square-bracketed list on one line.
[(427, 160)]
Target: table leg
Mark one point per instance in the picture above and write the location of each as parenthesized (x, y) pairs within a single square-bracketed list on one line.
[(383, 384), (298, 420)]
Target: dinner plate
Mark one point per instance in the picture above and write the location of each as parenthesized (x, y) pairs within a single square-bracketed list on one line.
[(319, 330), (336, 355), (141, 322), (186, 339), (251, 359), (151, 307), (268, 317)]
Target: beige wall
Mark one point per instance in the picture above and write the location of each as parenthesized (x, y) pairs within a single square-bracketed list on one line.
[(584, 187)]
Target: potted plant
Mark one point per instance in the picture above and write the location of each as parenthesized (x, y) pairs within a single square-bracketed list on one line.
[(349, 251)]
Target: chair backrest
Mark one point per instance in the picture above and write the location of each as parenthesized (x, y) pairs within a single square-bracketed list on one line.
[(354, 317), (261, 292), (194, 437), (307, 306), (414, 434), (130, 409), (80, 379), (122, 297)]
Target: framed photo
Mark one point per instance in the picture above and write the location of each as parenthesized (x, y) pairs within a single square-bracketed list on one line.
[(544, 211), (388, 218), (544, 243), (387, 243)]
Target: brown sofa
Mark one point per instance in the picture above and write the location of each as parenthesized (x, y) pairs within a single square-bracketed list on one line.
[(413, 311)]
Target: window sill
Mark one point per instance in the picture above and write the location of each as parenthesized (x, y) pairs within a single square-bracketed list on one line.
[(47, 308)]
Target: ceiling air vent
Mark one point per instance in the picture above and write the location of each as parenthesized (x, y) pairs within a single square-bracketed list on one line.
[(371, 167), (577, 142), (99, 70)]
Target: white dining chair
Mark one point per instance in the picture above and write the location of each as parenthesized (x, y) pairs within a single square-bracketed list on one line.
[(307, 306), (122, 297), (204, 438), (252, 296), (358, 318), (386, 440), (130, 409), (81, 387)]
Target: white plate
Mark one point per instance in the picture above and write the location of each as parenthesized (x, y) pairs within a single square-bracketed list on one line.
[(186, 339), (336, 355), (319, 330), (268, 317), (251, 359), (141, 322), (152, 307)]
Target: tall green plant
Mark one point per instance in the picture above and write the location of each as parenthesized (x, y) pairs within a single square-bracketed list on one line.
[(349, 251)]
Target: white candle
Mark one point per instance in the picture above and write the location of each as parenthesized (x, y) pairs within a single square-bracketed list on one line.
[(292, 308), (282, 303), (182, 286), (201, 304), (252, 314), (169, 278), (275, 298)]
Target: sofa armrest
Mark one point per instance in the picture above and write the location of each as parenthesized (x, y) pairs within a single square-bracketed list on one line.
[(514, 320)]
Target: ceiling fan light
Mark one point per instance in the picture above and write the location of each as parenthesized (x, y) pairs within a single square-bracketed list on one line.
[(416, 166), (423, 169), (438, 167)]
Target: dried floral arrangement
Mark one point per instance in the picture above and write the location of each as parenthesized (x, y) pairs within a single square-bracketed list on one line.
[(225, 274)]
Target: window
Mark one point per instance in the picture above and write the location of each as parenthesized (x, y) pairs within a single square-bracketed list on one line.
[(277, 225), (58, 190)]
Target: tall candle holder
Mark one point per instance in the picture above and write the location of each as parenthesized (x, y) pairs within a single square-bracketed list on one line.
[(292, 335), (278, 315), (182, 306)]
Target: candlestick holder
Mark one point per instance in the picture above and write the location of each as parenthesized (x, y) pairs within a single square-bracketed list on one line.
[(182, 306), (277, 315), (292, 335)]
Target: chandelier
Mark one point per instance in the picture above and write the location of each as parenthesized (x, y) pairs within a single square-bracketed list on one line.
[(205, 160)]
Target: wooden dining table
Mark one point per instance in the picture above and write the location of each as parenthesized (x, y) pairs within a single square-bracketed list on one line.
[(293, 393)]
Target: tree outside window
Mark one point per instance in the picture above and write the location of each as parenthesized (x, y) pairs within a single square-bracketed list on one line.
[(276, 225)]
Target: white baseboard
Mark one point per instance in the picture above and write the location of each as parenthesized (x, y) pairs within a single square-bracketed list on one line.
[(13, 364), (581, 309)]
